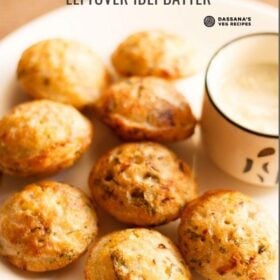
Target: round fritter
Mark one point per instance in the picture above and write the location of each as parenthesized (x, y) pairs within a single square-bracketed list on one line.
[(135, 254), (225, 235), (144, 184), (154, 53), (46, 226), (42, 137), (64, 71), (146, 109)]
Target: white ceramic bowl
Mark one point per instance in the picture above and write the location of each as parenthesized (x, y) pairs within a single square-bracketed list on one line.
[(246, 154)]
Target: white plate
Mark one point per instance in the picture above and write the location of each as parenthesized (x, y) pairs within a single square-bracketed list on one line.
[(102, 28)]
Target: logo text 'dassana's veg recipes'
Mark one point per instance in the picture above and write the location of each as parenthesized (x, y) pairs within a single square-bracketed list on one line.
[(234, 21), (210, 21)]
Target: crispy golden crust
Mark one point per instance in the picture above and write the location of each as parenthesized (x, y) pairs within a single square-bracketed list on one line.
[(225, 235), (42, 137), (154, 53), (146, 109), (135, 254), (64, 71), (143, 184), (46, 226)]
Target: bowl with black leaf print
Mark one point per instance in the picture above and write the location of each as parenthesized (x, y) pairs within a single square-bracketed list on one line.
[(240, 116)]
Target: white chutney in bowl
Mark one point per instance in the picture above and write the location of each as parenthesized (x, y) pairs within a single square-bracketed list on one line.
[(240, 117)]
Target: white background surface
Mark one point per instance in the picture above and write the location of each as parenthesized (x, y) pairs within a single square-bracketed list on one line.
[(102, 28)]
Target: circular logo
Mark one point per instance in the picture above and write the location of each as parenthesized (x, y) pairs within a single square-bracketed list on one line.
[(209, 21)]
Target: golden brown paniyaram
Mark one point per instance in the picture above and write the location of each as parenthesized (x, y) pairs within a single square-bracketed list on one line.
[(146, 109), (135, 254), (46, 226), (64, 71), (225, 235), (42, 137), (154, 53), (143, 184)]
